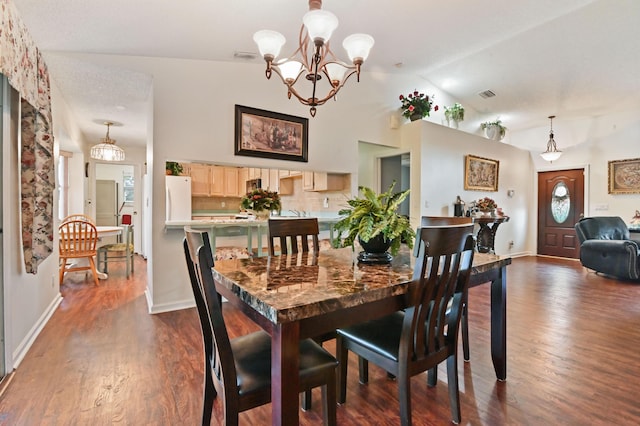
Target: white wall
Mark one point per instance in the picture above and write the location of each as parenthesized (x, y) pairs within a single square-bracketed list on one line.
[(29, 299)]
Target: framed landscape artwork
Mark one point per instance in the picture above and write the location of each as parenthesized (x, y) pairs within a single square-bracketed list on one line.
[(624, 176), (480, 174), (266, 134)]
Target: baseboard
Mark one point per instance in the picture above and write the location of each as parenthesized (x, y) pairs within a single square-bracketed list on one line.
[(167, 307), (24, 346), (5, 381)]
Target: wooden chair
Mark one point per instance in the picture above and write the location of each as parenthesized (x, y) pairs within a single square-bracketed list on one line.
[(240, 369), (448, 220), (78, 240), (419, 338), (118, 252), (78, 216), (293, 235)]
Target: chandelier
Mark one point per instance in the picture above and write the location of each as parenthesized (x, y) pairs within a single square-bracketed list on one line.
[(314, 59), (552, 153), (107, 150)]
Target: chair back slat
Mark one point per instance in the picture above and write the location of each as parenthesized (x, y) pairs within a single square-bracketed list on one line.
[(78, 238), (441, 276), (293, 235), (199, 258)]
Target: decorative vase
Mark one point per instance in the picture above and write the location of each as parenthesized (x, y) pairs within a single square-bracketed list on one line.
[(375, 250), (486, 213), (415, 117), (262, 214), (493, 132)]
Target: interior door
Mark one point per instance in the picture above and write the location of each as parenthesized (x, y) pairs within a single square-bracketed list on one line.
[(106, 203), (560, 206)]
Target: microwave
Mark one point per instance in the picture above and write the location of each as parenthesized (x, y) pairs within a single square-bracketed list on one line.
[(254, 184)]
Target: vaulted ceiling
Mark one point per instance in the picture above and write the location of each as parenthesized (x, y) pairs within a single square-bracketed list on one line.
[(572, 58)]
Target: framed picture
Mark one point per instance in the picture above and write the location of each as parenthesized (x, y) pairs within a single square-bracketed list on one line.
[(624, 176), (267, 134), (481, 174)]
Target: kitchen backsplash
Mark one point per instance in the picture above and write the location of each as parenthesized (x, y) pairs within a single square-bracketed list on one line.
[(215, 204)]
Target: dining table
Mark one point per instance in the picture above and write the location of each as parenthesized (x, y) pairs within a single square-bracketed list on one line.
[(298, 296)]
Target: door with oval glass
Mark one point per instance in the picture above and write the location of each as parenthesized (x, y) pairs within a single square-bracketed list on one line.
[(560, 206)]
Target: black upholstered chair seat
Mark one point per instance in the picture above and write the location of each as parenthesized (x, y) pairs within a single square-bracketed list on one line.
[(252, 356), (380, 335)]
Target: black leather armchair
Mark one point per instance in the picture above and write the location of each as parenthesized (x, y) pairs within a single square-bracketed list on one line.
[(605, 247)]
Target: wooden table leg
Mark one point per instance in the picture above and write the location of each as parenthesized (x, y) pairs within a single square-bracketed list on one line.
[(499, 324), (285, 360)]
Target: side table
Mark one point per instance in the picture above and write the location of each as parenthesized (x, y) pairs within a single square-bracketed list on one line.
[(485, 239)]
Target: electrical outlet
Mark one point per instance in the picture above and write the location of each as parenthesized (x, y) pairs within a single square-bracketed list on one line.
[(511, 244), (325, 203)]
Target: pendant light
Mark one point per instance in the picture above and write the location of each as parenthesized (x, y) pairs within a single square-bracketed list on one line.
[(107, 150), (552, 153)]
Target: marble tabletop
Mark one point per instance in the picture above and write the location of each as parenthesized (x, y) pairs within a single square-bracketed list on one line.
[(294, 287)]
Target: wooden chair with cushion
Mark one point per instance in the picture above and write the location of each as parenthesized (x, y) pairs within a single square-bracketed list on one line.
[(425, 334), (292, 235), (455, 220), (118, 252), (78, 240), (239, 370)]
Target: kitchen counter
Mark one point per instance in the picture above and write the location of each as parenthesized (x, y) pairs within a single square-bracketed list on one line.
[(225, 227)]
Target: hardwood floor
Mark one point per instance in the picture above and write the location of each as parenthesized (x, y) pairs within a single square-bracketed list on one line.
[(573, 359)]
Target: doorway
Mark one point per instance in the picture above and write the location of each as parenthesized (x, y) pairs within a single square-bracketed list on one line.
[(396, 169), (560, 206)]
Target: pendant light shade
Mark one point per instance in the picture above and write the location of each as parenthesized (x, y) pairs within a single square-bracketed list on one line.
[(107, 150), (552, 153)]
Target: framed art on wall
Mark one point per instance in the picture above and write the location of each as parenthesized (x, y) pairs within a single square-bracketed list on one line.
[(480, 174), (624, 176), (266, 134)]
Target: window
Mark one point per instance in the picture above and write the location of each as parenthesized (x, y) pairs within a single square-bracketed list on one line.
[(560, 202), (127, 188), (63, 184)]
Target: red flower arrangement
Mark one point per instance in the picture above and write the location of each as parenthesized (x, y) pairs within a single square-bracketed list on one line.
[(416, 104)]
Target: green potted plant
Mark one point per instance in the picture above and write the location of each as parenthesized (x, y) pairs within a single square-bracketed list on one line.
[(261, 202), (494, 129), (174, 168), (416, 105), (454, 114), (375, 221)]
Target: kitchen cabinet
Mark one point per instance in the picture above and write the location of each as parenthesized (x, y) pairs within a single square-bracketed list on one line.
[(200, 179), (274, 180), (314, 181), (214, 181), (243, 176)]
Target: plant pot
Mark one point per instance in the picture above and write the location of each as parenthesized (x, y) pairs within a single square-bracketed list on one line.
[(415, 117), (375, 250), (493, 132)]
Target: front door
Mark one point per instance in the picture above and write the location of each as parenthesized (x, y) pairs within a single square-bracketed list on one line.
[(560, 206)]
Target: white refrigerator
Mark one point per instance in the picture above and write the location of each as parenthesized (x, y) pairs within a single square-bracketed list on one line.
[(178, 198)]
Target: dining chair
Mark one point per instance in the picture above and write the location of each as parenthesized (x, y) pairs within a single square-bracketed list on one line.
[(425, 334), (78, 240), (293, 234), (78, 216), (118, 252), (456, 220), (240, 369)]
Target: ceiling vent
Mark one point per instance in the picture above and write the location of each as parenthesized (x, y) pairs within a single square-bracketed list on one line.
[(486, 94), (245, 56)]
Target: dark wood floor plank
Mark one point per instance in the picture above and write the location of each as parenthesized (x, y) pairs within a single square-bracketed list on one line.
[(573, 359)]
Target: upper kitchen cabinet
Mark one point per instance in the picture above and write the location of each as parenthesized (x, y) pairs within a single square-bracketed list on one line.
[(214, 181), (200, 179), (315, 181)]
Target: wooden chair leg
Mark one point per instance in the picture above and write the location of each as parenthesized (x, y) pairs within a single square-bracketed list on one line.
[(62, 267), (343, 359), (404, 397), (328, 398), (454, 392), (209, 396), (465, 331), (363, 370), (306, 400), (92, 263), (432, 377)]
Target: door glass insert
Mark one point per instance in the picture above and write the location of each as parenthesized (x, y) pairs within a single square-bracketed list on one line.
[(560, 202)]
